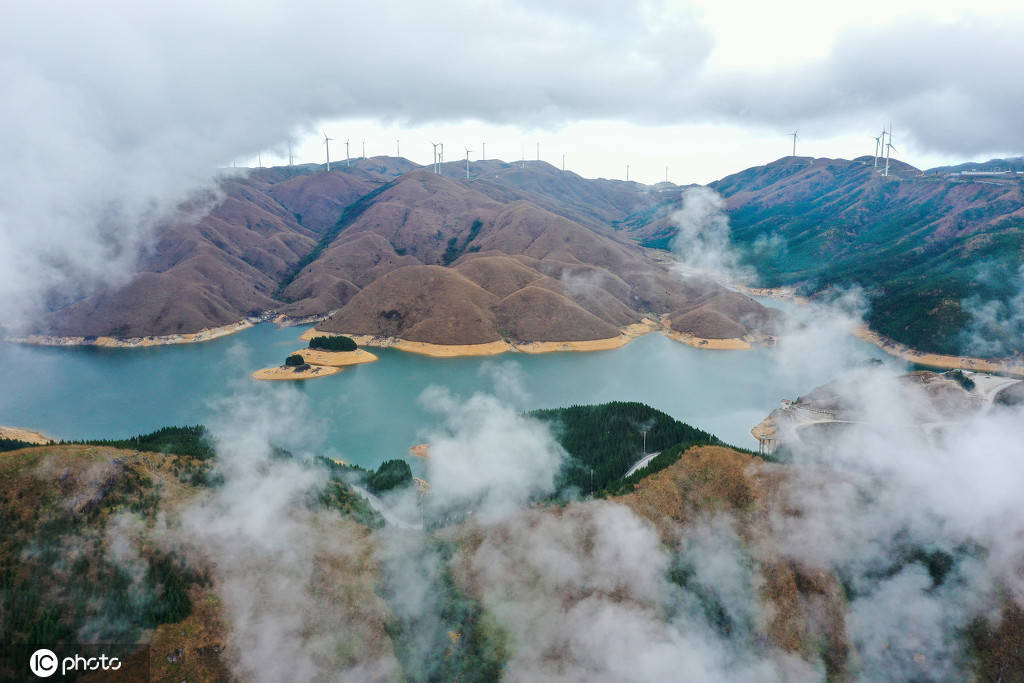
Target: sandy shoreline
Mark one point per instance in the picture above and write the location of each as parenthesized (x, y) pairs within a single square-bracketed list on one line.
[(26, 435), (318, 364), (936, 360), (894, 348), (206, 334), (335, 359), (289, 373), (628, 334)]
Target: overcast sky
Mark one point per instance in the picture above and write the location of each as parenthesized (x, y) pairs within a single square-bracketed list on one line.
[(749, 74), (115, 110)]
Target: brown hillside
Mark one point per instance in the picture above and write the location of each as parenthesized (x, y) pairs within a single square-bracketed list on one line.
[(420, 303), (304, 242), (80, 539), (805, 606), (536, 314)]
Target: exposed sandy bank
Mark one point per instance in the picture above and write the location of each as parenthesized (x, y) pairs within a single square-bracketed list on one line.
[(1000, 366), (286, 373), (1007, 366), (336, 359), (629, 333), (26, 435), (135, 342), (729, 344)]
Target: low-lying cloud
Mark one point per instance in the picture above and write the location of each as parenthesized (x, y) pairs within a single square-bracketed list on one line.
[(128, 109), (702, 242)]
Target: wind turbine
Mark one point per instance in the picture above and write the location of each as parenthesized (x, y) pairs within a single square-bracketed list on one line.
[(259, 160), (627, 173), (877, 140), (327, 143), (291, 158), (888, 151), (435, 144), (440, 157), (538, 151), (563, 162), (794, 134), (666, 174), (364, 149), (347, 163), (398, 147), (468, 150), (483, 151)]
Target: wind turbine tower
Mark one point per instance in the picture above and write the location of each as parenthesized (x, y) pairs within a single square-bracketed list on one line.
[(468, 150), (877, 140), (327, 143), (627, 173), (888, 151), (259, 160), (794, 134), (483, 151), (347, 162), (364, 149), (291, 158), (563, 162), (398, 147)]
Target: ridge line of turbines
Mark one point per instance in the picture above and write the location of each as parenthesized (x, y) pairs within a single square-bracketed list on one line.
[(880, 145), (438, 155)]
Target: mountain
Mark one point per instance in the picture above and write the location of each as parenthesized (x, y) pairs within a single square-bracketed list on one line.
[(927, 249), (1014, 164), (120, 542), (381, 247)]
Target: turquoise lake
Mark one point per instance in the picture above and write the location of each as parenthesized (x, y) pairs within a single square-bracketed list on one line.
[(371, 412)]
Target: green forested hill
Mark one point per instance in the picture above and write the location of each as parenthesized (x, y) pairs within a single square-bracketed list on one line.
[(925, 248), (605, 440)]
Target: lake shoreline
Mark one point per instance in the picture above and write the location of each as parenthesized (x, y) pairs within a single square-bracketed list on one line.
[(494, 348), (999, 366), (319, 363), (205, 334)]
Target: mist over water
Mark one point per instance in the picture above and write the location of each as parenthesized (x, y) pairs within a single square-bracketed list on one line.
[(372, 412)]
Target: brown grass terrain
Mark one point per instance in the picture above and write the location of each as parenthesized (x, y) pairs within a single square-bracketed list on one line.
[(803, 606), (71, 496), (527, 256)]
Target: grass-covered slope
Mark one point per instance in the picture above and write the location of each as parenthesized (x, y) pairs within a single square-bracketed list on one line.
[(926, 248), (922, 247)]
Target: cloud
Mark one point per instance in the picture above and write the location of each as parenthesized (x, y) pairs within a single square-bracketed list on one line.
[(943, 85), (294, 586), (583, 595), (127, 109), (486, 455), (996, 326), (702, 242)]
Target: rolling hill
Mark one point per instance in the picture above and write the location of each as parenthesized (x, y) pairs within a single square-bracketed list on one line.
[(98, 547), (386, 249), (927, 249)]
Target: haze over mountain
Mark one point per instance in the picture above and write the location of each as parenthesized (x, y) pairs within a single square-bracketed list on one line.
[(938, 257), (519, 252)]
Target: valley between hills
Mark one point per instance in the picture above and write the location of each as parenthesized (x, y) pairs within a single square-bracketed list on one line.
[(518, 256), (527, 257)]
